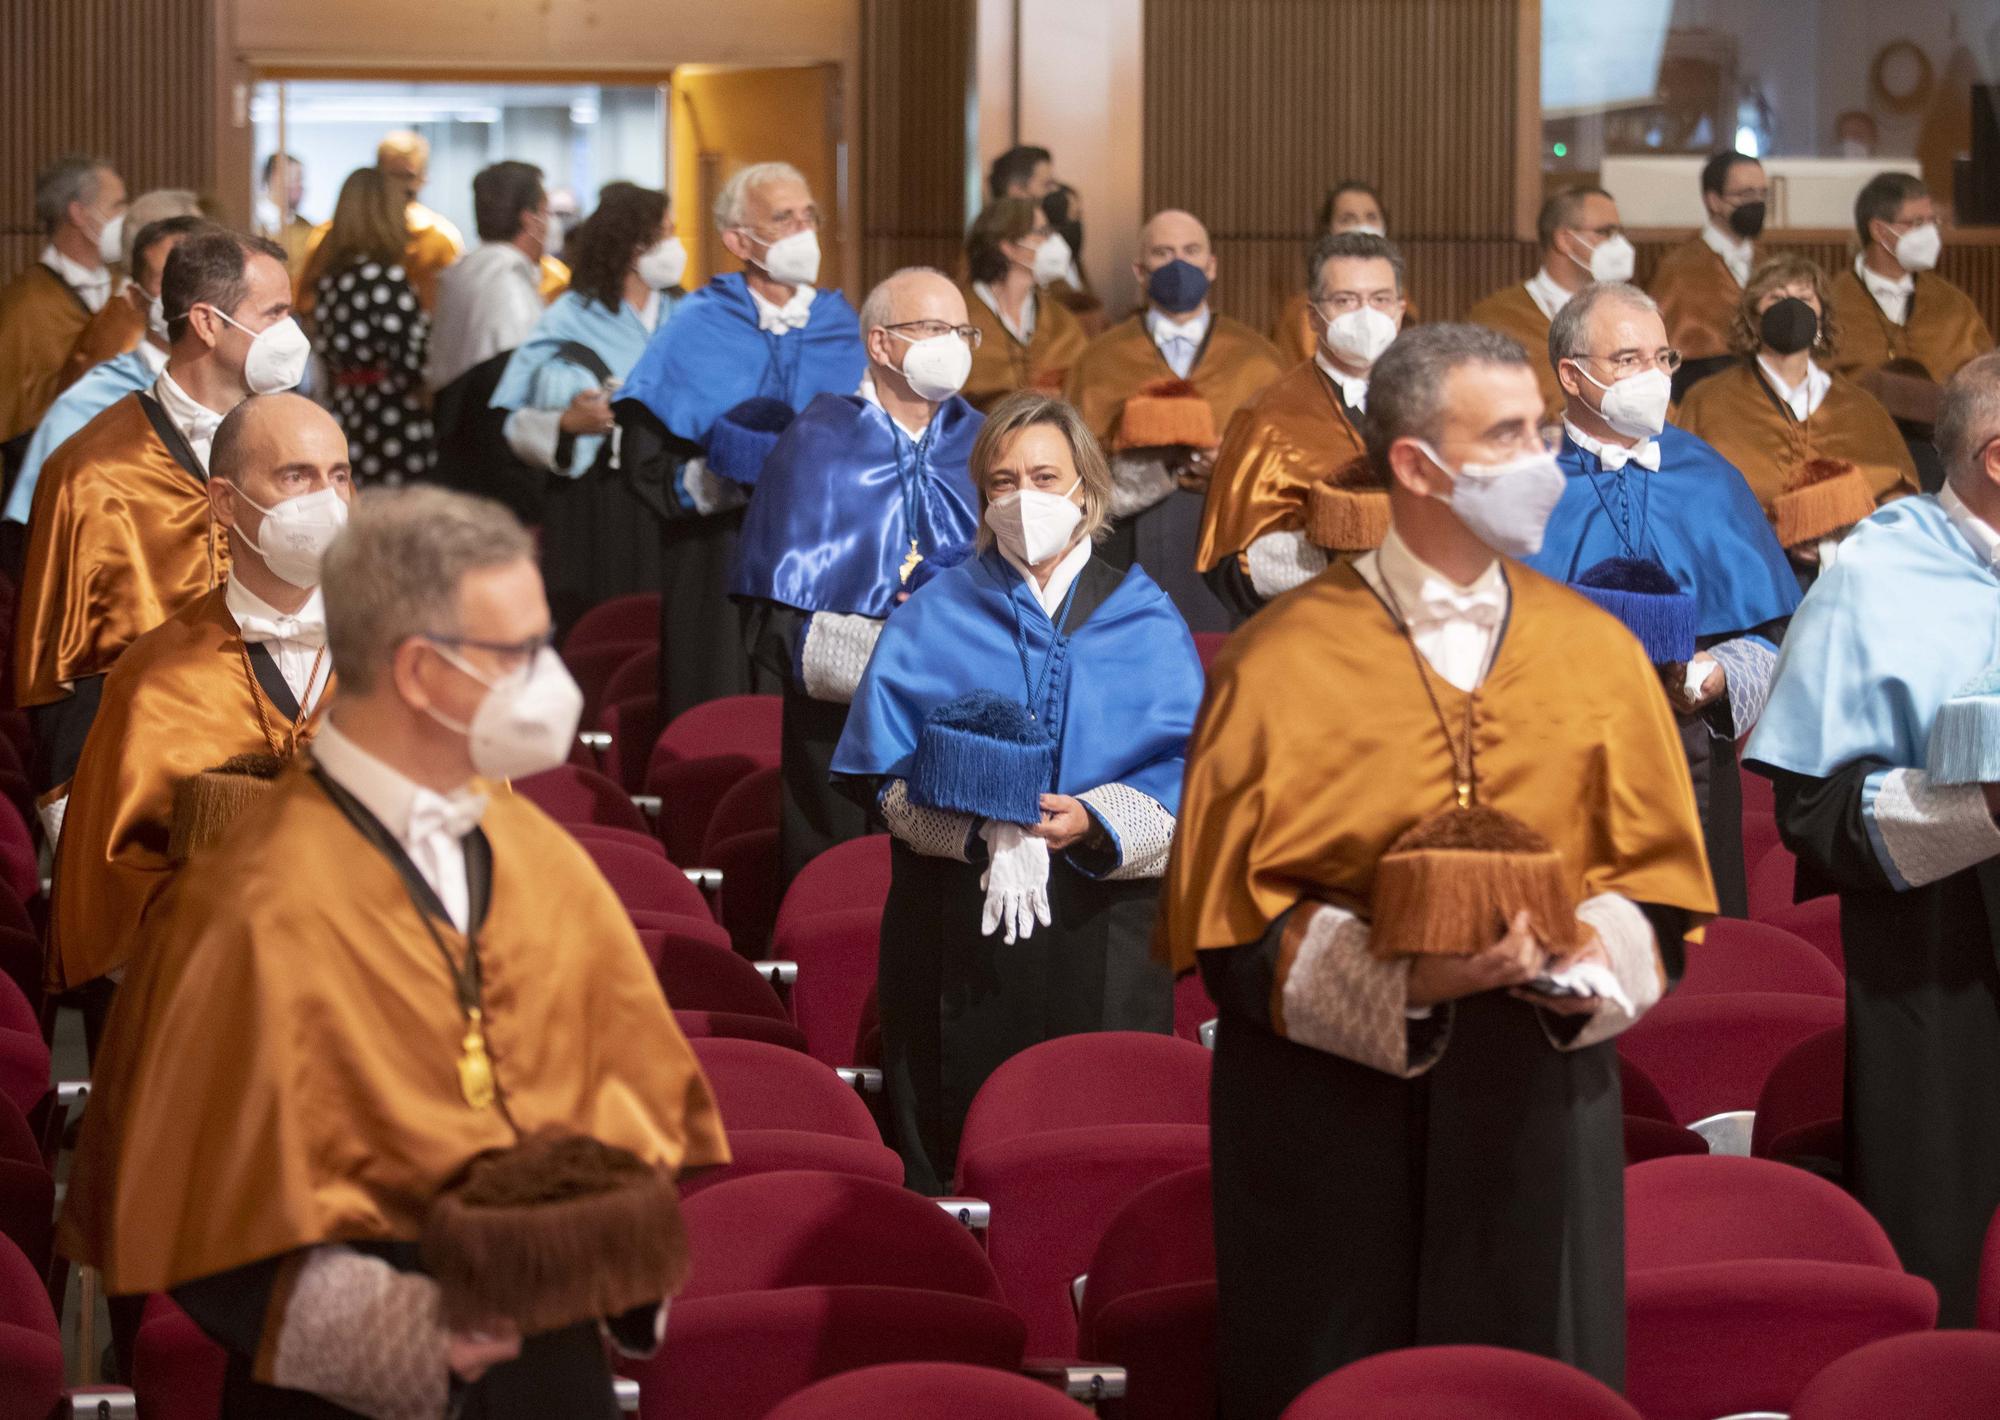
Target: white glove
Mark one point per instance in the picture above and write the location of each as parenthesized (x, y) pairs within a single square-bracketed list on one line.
[(710, 492), (1016, 881)]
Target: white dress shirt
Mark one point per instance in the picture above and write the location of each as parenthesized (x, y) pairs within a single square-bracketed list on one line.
[(92, 285), (1645, 453), (1547, 293), (1892, 296), (793, 315), (1455, 627), (487, 302), (430, 826), (1025, 331), (867, 392), (1353, 388), (1179, 340), (196, 421), (295, 640), (1807, 396), (1736, 253), (1060, 580), (1985, 539)]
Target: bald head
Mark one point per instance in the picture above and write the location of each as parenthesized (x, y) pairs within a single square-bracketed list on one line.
[(1171, 236), (916, 303), (268, 450)]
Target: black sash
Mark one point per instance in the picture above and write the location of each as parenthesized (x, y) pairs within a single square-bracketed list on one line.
[(478, 859), (177, 446), (273, 681)]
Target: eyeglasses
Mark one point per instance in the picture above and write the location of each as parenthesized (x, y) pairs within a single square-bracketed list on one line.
[(1631, 362), (786, 225), (1347, 302), (914, 330), (510, 649)]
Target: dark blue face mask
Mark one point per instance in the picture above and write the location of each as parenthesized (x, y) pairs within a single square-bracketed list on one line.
[(1178, 287)]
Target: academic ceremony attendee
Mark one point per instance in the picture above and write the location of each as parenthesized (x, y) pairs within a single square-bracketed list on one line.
[(1026, 341), (1817, 449), (1022, 171), (403, 159), (1158, 494), (764, 333), (372, 334), (489, 300), (1020, 729), (1256, 540), (1409, 1147), (120, 323), (1699, 283), (1658, 529), (857, 493), (1029, 173), (1880, 742), (108, 382), (120, 536), (390, 990), (242, 670), (80, 207), (1581, 241), (1893, 306), (1349, 206), (277, 209), (604, 522)]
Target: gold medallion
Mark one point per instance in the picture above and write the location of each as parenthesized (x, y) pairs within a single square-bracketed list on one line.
[(910, 562), (475, 1066)]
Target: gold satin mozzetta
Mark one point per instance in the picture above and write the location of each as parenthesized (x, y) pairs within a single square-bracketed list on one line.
[(1512, 311), (1002, 364), (1942, 332), (1234, 366), (555, 278), (280, 1068), (119, 539), (112, 332), (178, 702), (40, 320), (1698, 297), (1277, 447), (1317, 748)]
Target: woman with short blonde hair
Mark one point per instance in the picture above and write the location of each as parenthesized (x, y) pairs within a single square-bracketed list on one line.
[(1020, 729)]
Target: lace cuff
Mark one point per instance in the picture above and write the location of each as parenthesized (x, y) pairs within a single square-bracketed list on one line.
[(1634, 954), (935, 833), (1749, 662), (1334, 995), (365, 1336), (834, 652), (1138, 482), (1924, 832), (1141, 830), (1280, 561)]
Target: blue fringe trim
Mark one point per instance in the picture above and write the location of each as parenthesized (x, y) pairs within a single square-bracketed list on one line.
[(740, 441), (1643, 594), (982, 754), (1965, 741)]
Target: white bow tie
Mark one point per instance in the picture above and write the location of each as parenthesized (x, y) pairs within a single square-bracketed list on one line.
[(782, 319), (1438, 604), (256, 630), (455, 814), (1646, 455)]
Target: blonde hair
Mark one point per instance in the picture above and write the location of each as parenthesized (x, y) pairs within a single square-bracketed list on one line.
[(403, 143), (1774, 273), (1023, 410)]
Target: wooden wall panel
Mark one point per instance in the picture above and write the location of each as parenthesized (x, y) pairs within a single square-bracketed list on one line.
[(131, 80), (916, 78)]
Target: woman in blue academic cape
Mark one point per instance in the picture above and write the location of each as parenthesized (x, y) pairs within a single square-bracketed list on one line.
[(601, 531), (1021, 729)]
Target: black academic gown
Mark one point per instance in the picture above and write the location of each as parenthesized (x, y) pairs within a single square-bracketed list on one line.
[(1358, 1212), (1923, 1035)]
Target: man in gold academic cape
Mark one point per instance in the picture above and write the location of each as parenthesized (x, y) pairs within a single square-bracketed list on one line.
[(119, 534), (1301, 431), (1581, 241), (1176, 335), (120, 324), (1892, 305), (1699, 282), (387, 965), (80, 204), (242, 670), (1416, 1150), (404, 158), (1349, 206)]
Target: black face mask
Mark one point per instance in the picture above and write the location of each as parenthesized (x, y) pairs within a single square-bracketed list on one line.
[(1747, 220), (1056, 207), (1788, 326)]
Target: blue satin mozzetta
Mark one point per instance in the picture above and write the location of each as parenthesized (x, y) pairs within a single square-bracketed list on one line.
[(712, 356), (1905, 617), (1122, 691), (102, 386), (1696, 517), (828, 527)]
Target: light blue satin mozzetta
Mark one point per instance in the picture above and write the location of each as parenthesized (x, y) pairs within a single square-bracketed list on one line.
[(102, 386), (828, 526), (537, 378)]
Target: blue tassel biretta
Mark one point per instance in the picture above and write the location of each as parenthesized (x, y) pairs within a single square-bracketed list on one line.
[(1965, 738), (983, 754), (740, 441), (1644, 595)]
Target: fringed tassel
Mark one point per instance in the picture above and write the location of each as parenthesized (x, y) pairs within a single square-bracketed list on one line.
[(1826, 497), (207, 804), (1346, 519), (742, 438), (1965, 741), (557, 1230), (983, 754), (1665, 625), (1165, 414), (1450, 886)]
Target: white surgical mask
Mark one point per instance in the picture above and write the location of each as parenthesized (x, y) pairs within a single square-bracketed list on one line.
[(278, 354), (111, 240), (1918, 248), (156, 319), (793, 260), (1033, 526), (1052, 259), (1636, 406), (936, 367), (1506, 505), (295, 534), (663, 264), (1361, 336), (1610, 260), (527, 721)]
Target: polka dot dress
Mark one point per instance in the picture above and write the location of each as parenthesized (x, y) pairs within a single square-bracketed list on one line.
[(372, 335)]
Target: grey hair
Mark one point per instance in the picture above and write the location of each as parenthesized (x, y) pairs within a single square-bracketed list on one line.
[(156, 206), (394, 573), (1406, 387), (1569, 332), (1969, 417), (732, 204), (878, 310), (66, 180), (1354, 246)]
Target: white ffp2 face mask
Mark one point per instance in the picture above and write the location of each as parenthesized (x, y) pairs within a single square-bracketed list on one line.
[(278, 354), (1635, 406), (295, 534), (1033, 526), (1919, 248), (527, 721), (793, 260), (936, 367), (663, 264), (1506, 505), (111, 240), (1362, 335), (1612, 259), (1052, 259)]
